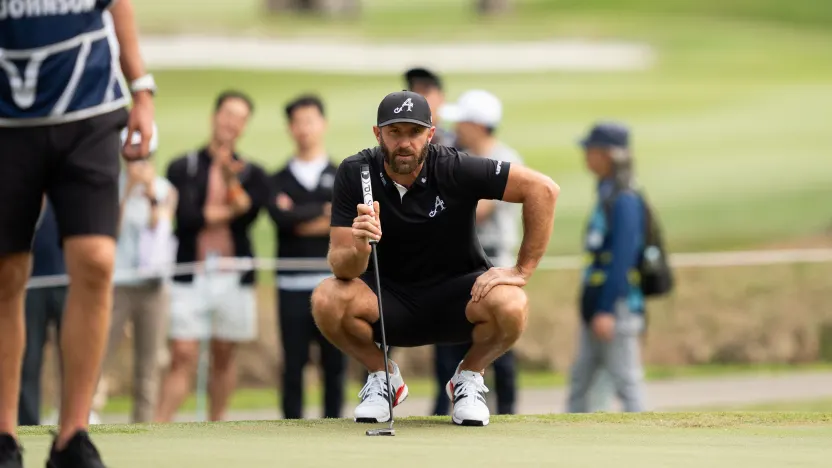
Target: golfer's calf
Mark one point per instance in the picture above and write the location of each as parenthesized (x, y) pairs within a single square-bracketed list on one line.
[(499, 319), (344, 312)]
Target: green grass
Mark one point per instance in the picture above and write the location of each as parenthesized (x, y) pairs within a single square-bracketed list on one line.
[(715, 440), (248, 399), (748, 156), (455, 19), (730, 126), (822, 405)]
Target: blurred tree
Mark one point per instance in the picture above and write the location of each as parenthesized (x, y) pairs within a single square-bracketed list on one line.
[(490, 7), (329, 7)]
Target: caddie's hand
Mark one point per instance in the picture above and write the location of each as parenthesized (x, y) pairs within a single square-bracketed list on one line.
[(367, 225), (140, 120), (603, 325), (494, 277)]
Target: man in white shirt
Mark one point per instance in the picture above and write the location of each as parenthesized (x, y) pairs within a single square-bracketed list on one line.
[(145, 247)]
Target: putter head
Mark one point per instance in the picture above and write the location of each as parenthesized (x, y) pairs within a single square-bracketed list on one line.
[(381, 432)]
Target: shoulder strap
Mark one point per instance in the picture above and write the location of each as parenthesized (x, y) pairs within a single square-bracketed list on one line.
[(652, 236), (609, 202), (192, 163)]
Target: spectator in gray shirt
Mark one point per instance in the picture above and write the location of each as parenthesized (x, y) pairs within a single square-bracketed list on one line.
[(477, 115)]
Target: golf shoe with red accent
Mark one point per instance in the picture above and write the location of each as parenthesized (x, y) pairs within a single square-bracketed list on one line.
[(375, 406), (467, 393)]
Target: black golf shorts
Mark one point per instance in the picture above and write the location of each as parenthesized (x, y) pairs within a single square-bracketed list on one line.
[(418, 316), (76, 164)]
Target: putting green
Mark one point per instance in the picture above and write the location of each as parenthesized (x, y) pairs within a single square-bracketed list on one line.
[(714, 440)]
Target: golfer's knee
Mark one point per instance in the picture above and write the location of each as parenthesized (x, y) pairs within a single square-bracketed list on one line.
[(509, 306), (329, 302), (14, 273)]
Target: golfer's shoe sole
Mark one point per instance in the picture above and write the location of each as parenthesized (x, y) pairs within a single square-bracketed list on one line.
[(400, 398), (469, 422)]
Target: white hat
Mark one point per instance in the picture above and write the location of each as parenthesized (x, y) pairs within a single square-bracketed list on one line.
[(137, 138), (476, 106)]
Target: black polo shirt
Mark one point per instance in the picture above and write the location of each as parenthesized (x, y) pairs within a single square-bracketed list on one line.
[(429, 233)]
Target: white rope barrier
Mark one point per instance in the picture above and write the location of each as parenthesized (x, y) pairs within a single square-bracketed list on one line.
[(552, 263)]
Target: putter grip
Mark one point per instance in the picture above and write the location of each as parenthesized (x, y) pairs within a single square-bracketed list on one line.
[(367, 189), (366, 185)]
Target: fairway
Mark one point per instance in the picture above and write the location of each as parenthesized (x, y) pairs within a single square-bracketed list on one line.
[(714, 440)]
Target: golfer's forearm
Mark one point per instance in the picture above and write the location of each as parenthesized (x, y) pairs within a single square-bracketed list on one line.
[(124, 19), (347, 262), (538, 220)]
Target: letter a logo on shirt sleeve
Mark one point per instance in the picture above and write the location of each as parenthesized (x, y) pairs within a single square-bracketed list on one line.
[(408, 103)]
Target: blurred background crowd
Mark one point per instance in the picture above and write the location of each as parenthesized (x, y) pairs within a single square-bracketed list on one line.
[(715, 112)]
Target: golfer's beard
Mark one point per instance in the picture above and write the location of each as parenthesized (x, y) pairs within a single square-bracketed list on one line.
[(403, 167)]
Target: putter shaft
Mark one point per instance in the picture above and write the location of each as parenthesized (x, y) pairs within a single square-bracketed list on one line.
[(383, 342)]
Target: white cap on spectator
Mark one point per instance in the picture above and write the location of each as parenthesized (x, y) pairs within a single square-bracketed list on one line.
[(137, 138), (475, 106)]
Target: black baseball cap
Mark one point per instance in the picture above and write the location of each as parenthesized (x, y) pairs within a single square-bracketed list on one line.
[(404, 107), (607, 134)]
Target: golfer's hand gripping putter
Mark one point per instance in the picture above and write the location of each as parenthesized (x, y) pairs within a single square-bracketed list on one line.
[(367, 192)]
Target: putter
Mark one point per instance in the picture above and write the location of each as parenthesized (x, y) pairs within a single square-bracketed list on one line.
[(367, 189)]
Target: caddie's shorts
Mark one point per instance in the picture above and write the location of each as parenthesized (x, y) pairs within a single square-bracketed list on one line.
[(76, 164)]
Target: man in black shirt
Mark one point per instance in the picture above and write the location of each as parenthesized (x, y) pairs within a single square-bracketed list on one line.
[(438, 285), (300, 203)]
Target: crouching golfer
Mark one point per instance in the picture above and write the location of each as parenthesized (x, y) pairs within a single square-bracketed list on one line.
[(437, 285)]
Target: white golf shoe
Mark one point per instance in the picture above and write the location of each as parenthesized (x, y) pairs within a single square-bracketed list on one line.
[(374, 406), (467, 393)]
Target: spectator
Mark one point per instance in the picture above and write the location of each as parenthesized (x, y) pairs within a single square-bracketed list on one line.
[(220, 196), (477, 116), (300, 207), (144, 246), (43, 306), (612, 302), (429, 85)]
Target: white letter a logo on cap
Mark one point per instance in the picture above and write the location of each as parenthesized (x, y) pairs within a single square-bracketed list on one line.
[(408, 103)]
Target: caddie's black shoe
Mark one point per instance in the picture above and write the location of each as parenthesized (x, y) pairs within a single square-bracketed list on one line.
[(11, 456), (78, 453)]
